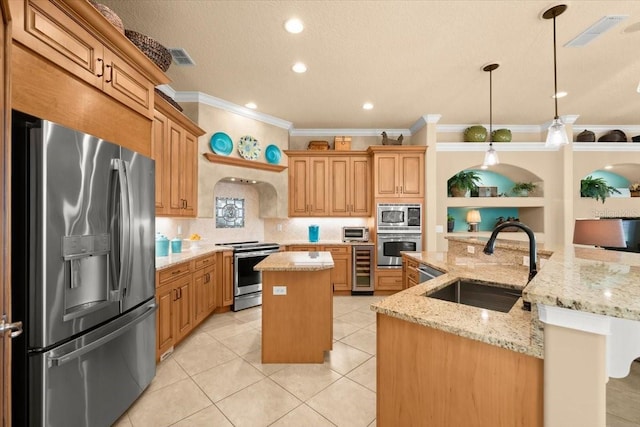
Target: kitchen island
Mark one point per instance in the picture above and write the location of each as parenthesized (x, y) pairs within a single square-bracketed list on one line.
[(456, 359), (297, 307)]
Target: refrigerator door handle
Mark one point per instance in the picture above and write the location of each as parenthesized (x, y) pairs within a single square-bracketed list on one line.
[(74, 354), (124, 221)]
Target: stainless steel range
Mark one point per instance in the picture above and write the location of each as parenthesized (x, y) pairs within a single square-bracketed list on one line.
[(247, 283)]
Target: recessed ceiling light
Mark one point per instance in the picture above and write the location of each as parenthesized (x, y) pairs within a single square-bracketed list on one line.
[(232, 179), (367, 106), (299, 67), (484, 167), (560, 94), (294, 26), (254, 182), (608, 167), (251, 105)]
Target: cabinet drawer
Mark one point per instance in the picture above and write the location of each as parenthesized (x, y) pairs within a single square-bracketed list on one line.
[(412, 263), (337, 249), (174, 272), (205, 262), (304, 248), (388, 280), (412, 274)]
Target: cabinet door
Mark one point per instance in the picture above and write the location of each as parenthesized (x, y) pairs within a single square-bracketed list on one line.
[(176, 147), (360, 186), (190, 175), (212, 289), (43, 27), (341, 272), (388, 280), (318, 186), (160, 150), (127, 85), (411, 176), (200, 290), (298, 184), (184, 306), (165, 318), (340, 186), (386, 172)]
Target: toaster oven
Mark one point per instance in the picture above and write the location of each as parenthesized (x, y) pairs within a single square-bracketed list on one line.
[(355, 234)]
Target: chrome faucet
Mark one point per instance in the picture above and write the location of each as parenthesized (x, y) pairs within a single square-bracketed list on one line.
[(533, 262)]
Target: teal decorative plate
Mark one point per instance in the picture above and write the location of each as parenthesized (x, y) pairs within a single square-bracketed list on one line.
[(249, 147), (221, 143), (272, 154)]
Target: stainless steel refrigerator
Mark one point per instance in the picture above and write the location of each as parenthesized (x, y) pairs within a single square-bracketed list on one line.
[(83, 269)]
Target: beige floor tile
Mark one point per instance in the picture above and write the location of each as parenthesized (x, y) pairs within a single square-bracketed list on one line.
[(194, 341), (258, 405), (372, 327), (365, 374), (305, 380), (345, 403), (624, 404), (255, 358), (167, 372), (362, 340), (123, 421), (373, 424), (256, 324), (344, 358), (168, 405), (228, 378), (303, 416), (244, 343), (341, 328), (208, 417), (229, 330), (217, 321), (204, 357), (249, 314), (629, 383), (359, 318), (613, 421)]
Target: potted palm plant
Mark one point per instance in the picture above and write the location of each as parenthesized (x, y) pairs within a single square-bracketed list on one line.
[(596, 188), (463, 181), (523, 189)]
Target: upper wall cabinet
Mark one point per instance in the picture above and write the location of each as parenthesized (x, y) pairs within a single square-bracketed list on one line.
[(350, 186), (398, 171), (308, 185), (174, 148), (74, 36)]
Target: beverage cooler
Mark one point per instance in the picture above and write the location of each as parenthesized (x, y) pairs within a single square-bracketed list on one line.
[(362, 269)]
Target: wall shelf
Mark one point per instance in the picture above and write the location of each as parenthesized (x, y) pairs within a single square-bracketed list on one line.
[(495, 202), (235, 161)]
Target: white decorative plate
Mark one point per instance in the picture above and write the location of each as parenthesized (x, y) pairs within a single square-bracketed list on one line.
[(249, 147)]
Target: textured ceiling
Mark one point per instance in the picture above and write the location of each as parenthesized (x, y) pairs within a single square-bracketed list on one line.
[(409, 58)]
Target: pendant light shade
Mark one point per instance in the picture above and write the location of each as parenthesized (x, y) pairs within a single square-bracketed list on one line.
[(491, 156), (557, 134)]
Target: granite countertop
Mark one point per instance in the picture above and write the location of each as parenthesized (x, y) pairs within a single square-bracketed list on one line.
[(513, 245), (590, 280), (296, 261), (324, 242), (188, 254), (510, 330)]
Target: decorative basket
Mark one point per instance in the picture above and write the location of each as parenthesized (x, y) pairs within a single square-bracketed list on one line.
[(109, 14), (318, 145), (168, 99), (157, 53), (635, 193)]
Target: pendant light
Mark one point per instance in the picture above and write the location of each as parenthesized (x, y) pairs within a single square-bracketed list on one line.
[(491, 156), (557, 134)]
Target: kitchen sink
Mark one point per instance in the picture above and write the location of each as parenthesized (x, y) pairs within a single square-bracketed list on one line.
[(478, 294)]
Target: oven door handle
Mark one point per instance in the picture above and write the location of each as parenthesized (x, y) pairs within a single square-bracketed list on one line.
[(253, 254)]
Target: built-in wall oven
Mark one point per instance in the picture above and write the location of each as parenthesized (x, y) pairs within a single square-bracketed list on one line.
[(247, 283), (398, 228), (390, 246)]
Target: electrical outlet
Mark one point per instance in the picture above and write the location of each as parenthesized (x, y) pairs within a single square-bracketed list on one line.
[(278, 227), (279, 290), (179, 230), (471, 249), (525, 261), (439, 229)]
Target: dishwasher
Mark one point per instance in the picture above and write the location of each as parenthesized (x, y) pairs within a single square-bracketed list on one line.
[(362, 279), (427, 273)]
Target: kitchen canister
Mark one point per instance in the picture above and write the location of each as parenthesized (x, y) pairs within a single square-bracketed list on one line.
[(162, 245), (314, 233), (176, 245)]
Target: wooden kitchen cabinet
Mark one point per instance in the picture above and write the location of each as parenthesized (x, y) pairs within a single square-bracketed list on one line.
[(341, 272), (350, 186), (410, 272), (204, 287), (175, 299), (308, 186), (225, 277), (66, 33), (174, 148), (388, 280), (398, 171)]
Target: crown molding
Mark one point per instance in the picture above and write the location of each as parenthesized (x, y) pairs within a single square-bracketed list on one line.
[(499, 146), (423, 121), (212, 101), (512, 128), (348, 132), (606, 128), (167, 90), (606, 146)]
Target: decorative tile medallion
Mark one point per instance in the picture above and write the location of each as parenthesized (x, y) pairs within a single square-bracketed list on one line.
[(229, 212)]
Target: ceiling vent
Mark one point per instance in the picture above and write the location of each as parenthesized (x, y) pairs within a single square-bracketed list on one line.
[(180, 56), (603, 25)]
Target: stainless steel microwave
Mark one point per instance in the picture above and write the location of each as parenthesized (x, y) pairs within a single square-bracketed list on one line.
[(399, 218)]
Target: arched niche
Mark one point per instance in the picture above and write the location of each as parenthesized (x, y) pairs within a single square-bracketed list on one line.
[(505, 176)]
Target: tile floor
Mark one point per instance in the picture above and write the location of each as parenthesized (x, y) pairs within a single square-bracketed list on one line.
[(215, 378)]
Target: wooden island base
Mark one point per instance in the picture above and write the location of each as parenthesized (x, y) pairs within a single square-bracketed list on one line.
[(297, 327)]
